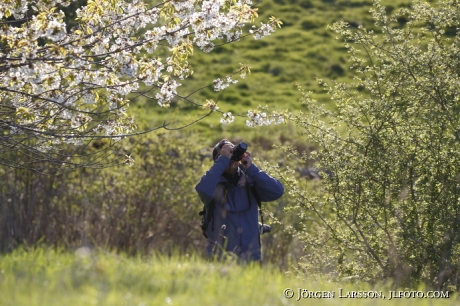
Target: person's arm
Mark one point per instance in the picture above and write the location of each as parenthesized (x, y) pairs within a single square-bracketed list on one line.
[(207, 185), (267, 187)]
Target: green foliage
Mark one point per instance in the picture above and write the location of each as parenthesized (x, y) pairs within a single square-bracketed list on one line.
[(149, 206), (388, 206), (127, 208)]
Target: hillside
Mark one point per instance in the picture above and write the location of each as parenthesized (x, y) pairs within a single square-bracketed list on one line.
[(301, 51)]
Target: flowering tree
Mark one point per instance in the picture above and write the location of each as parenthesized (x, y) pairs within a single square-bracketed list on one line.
[(69, 85)]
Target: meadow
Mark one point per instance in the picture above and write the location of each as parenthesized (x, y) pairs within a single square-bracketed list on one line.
[(85, 277)]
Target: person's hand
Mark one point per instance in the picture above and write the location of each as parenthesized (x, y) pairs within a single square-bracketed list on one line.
[(227, 150), (246, 161)]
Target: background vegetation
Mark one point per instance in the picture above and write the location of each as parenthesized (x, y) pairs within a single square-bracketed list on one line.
[(388, 207), (152, 206), (56, 206)]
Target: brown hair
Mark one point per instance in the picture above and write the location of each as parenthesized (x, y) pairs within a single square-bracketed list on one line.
[(218, 147)]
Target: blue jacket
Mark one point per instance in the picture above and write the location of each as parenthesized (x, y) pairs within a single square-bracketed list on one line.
[(235, 210)]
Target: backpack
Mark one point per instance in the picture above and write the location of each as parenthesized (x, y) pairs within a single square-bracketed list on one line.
[(208, 210)]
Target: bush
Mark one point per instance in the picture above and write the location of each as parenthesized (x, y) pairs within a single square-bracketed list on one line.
[(150, 206), (127, 208), (388, 207)]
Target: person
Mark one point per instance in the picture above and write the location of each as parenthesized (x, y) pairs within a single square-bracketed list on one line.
[(229, 190)]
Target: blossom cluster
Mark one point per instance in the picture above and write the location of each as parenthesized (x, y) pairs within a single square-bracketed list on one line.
[(220, 85), (210, 104), (61, 79), (167, 92), (257, 118), (227, 118), (265, 28)]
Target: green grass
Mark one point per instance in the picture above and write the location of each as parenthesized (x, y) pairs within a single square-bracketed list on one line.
[(301, 51), (46, 277)]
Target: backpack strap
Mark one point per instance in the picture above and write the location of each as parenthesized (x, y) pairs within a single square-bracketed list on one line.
[(208, 209)]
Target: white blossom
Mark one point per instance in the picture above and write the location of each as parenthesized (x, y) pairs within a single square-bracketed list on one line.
[(88, 98), (227, 118), (257, 118), (264, 30), (167, 93), (220, 85)]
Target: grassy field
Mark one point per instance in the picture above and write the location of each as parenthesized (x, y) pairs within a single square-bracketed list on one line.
[(46, 277), (301, 51)]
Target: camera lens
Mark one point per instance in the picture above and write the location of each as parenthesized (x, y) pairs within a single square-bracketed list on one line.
[(239, 150)]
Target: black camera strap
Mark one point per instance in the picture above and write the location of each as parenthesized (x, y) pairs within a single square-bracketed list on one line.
[(252, 189), (259, 204)]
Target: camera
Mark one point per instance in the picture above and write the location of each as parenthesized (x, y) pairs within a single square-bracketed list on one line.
[(239, 150), (264, 228)]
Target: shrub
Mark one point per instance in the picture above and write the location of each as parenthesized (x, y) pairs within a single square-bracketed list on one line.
[(388, 206)]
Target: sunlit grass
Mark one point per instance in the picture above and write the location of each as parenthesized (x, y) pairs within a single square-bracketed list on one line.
[(301, 51), (47, 277)]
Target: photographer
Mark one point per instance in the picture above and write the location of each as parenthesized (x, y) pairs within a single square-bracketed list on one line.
[(230, 191)]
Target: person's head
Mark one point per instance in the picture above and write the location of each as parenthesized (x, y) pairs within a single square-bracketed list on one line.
[(218, 147), (216, 152)]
